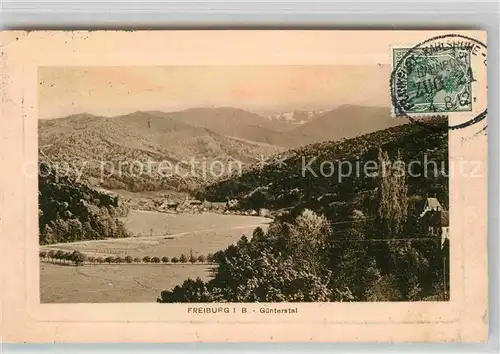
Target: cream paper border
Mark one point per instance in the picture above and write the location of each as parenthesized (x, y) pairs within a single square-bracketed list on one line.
[(463, 318)]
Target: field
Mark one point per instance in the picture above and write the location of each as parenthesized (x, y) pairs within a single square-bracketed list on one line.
[(113, 283), (170, 235), (163, 234)]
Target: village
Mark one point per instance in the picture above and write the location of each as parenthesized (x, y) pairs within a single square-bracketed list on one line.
[(176, 205)]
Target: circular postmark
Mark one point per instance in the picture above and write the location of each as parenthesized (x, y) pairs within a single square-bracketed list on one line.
[(441, 76)]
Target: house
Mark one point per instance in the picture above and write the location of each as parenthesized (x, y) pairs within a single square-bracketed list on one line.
[(436, 219), (431, 204)]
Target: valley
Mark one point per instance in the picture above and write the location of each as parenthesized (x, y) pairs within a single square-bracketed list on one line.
[(110, 234), (173, 235)]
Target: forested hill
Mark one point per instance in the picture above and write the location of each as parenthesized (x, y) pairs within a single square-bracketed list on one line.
[(290, 183), (71, 211)]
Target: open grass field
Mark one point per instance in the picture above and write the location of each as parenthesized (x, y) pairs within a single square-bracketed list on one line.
[(172, 235), (113, 283)]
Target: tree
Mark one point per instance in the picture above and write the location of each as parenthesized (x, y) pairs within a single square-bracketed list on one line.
[(307, 240), (201, 259), (51, 255), (155, 260), (42, 254), (210, 258), (274, 268), (109, 259), (59, 255), (91, 259), (99, 260), (183, 258), (265, 279), (68, 256), (175, 260), (258, 234), (77, 257), (392, 194), (194, 290), (355, 266), (165, 259), (137, 260), (129, 259), (146, 259), (47, 235)]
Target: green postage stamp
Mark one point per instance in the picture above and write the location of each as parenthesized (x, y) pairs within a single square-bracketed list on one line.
[(432, 80)]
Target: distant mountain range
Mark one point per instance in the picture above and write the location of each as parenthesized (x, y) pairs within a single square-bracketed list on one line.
[(231, 122), (210, 134), (295, 118), (345, 122)]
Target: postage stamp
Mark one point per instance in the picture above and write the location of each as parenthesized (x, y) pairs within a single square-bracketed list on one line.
[(433, 81)]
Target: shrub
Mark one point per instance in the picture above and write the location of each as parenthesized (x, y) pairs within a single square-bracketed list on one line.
[(175, 260), (146, 259), (129, 259), (165, 259), (201, 259)]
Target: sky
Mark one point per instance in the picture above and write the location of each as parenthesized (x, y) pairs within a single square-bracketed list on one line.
[(111, 91)]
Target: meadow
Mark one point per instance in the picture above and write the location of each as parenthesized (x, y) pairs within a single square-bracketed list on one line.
[(113, 283), (157, 234)]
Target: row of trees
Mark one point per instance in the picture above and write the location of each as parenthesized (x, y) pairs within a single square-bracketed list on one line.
[(60, 256), (77, 257)]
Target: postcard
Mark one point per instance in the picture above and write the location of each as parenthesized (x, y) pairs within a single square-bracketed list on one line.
[(244, 186)]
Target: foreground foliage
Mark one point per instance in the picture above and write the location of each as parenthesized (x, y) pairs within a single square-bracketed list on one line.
[(305, 261), (356, 238)]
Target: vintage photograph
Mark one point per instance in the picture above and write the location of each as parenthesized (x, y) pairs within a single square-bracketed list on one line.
[(247, 183), (243, 186)]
